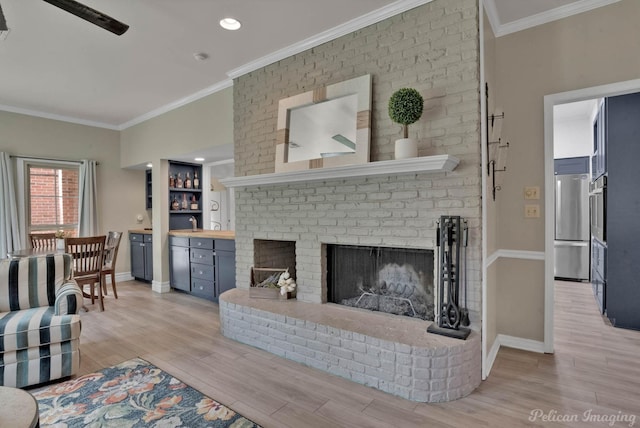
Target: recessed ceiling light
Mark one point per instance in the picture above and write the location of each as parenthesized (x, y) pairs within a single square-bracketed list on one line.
[(149, 165), (200, 56), (199, 159), (230, 24)]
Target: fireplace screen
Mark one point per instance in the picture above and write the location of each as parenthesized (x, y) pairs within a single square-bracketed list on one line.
[(392, 280)]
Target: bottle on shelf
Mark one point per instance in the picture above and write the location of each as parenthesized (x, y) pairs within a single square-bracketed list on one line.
[(179, 181), (185, 204), (174, 204), (196, 181), (172, 181), (194, 203), (187, 181)]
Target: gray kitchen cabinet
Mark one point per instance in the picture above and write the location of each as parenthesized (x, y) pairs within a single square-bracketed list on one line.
[(179, 274), (204, 267), (622, 201), (141, 253), (226, 265)]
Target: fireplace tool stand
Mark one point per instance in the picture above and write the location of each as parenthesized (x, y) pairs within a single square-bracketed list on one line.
[(451, 236)]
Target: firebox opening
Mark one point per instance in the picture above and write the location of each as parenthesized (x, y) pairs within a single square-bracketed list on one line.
[(275, 254), (392, 280)]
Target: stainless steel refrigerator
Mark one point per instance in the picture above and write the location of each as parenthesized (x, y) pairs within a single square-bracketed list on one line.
[(572, 227)]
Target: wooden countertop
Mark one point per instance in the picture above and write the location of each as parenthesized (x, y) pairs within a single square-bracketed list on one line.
[(142, 231), (215, 234)]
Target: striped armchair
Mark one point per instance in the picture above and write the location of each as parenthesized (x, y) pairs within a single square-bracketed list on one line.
[(39, 321)]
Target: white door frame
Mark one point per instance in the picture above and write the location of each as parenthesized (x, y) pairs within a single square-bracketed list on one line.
[(612, 89)]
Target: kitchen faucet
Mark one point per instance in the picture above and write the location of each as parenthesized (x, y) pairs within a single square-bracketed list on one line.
[(194, 223)]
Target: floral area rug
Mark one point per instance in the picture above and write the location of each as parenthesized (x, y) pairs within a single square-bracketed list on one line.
[(132, 394)]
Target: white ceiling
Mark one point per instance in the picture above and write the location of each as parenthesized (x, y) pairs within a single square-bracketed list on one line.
[(53, 64)]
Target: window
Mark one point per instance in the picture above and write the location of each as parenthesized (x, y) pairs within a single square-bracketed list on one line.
[(52, 198)]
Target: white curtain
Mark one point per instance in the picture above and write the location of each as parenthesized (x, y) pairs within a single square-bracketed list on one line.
[(88, 200), (9, 226)]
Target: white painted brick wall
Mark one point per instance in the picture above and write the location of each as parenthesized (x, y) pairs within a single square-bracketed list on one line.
[(433, 48)]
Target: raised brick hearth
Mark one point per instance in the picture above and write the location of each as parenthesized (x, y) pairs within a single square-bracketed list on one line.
[(387, 352)]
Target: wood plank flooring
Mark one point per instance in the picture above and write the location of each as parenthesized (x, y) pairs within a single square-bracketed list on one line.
[(596, 368)]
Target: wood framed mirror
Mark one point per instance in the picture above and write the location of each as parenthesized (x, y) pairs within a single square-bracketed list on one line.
[(326, 127)]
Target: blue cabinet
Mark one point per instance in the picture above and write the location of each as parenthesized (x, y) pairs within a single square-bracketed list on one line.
[(622, 274), (179, 263), (599, 157), (204, 267), (567, 166), (141, 254)]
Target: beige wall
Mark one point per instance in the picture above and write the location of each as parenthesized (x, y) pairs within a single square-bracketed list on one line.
[(589, 49), (198, 125), (120, 192), (202, 124)]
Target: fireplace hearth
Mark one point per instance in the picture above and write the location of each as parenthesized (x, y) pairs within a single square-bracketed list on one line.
[(397, 281)]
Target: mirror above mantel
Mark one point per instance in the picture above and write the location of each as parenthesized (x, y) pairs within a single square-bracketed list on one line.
[(326, 127)]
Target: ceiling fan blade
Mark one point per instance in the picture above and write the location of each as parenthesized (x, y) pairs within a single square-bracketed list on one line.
[(91, 15), (3, 22)]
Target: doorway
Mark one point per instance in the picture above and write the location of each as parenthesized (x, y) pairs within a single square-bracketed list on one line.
[(550, 101)]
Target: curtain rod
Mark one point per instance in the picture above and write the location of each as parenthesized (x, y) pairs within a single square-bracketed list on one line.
[(48, 159)]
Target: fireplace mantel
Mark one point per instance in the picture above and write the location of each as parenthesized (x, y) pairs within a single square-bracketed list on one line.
[(425, 164)]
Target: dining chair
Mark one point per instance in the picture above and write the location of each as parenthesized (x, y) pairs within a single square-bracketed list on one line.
[(110, 256), (88, 259), (42, 240)]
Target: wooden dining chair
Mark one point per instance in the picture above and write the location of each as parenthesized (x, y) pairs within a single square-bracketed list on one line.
[(88, 259), (42, 240), (110, 256)]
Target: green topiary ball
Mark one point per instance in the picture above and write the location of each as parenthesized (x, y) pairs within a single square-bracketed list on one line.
[(405, 106)]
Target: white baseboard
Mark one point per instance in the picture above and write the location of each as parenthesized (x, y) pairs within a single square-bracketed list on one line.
[(510, 342), (122, 276), (491, 357), (521, 343), (160, 287), (514, 254)]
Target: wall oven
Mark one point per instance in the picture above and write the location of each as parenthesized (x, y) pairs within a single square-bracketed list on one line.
[(598, 209)]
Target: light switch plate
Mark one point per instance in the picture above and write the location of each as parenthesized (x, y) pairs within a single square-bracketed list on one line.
[(532, 211), (532, 192)]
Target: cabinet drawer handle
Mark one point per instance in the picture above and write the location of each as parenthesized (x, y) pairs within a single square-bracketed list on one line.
[(199, 243), (201, 287), (200, 272)]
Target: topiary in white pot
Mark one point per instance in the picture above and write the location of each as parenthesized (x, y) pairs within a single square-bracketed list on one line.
[(405, 108)]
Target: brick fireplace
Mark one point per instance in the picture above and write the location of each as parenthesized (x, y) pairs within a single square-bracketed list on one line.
[(435, 49)]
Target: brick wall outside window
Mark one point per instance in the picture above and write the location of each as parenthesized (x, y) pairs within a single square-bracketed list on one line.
[(53, 199)]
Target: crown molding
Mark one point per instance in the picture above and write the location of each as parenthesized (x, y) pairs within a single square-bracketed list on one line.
[(37, 113), (150, 115), (492, 14), (227, 83), (545, 17), (356, 24)]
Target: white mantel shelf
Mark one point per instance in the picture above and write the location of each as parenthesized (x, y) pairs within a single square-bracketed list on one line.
[(425, 164)]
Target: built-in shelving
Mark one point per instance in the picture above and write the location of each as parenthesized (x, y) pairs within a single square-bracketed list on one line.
[(148, 189), (179, 218), (425, 164)]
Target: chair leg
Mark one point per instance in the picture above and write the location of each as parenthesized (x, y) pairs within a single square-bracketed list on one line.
[(92, 292), (113, 285), (100, 299)]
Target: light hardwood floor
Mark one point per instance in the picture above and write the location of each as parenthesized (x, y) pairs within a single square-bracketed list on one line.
[(595, 368)]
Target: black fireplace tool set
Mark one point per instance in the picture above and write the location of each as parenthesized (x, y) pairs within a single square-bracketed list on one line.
[(451, 240)]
